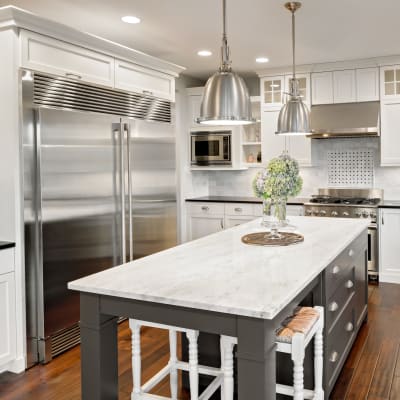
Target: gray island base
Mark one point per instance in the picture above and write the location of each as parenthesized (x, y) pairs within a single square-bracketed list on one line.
[(221, 286)]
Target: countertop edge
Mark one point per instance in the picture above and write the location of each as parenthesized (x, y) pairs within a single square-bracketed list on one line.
[(233, 199)]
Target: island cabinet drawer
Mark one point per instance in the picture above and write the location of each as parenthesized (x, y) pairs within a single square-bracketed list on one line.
[(6, 261), (42, 53), (339, 268), (336, 303), (207, 209), (239, 209), (338, 344)]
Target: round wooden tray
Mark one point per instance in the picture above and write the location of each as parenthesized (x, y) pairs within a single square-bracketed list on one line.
[(266, 239)]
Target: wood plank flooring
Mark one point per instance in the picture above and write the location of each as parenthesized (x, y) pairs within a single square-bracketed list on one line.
[(372, 370)]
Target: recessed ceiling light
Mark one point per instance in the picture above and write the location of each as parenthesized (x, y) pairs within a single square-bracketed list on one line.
[(204, 53), (262, 59), (131, 19)]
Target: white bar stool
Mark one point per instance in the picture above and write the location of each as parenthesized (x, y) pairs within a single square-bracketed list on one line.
[(140, 391), (293, 338)]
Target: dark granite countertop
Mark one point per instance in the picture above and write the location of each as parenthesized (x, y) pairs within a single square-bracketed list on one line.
[(389, 204), (241, 199), (6, 245)]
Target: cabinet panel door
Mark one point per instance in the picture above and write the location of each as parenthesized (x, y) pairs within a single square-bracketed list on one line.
[(294, 210), (42, 53), (203, 226), (367, 80), (322, 88), (7, 313), (134, 78), (344, 86), (194, 104), (390, 138), (300, 149), (272, 144), (389, 269), (233, 220)]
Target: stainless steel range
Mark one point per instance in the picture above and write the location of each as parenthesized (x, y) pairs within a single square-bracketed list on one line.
[(351, 203)]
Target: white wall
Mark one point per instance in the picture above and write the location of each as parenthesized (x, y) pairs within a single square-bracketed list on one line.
[(238, 183)]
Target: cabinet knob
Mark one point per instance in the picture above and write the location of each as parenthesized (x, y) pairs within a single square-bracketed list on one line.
[(238, 209), (349, 327), (336, 269), (205, 208), (334, 356), (351, 253), (333, 306), (349, 284)]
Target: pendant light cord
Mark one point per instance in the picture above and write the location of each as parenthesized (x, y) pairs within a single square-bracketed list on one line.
[(225, 62), (294, 44)]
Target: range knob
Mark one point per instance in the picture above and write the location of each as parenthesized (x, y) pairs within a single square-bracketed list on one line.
[(372, 214), (334, 213), (322, 212), (358, 214), (365, 214), (315, 212), (345, 214), (308, 212)]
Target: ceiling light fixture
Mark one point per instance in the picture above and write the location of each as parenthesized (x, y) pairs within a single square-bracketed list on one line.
[(130, 19), (294, 117), (262, 59), (204, 53), (226, 99)]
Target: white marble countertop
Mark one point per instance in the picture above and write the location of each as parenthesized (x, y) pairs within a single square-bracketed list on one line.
[(220, 273)]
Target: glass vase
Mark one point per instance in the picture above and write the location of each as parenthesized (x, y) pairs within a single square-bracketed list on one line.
[(274, 212)]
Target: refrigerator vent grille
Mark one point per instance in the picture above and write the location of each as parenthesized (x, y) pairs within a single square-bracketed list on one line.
[(65, 340), (68, 94)]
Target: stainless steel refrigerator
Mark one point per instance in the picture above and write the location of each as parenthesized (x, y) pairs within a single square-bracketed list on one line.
[(97, 193)]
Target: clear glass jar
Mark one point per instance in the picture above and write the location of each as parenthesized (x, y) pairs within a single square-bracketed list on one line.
[(274, 212)]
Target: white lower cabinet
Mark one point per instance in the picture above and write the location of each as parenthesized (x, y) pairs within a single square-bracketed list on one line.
[(7, 309), (207, 218), (389, 234)]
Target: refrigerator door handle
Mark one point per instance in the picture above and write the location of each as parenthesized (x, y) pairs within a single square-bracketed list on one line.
[(118, 129), (129, 167)]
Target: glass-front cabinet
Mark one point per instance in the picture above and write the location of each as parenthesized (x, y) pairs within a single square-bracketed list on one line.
[(390, 82)]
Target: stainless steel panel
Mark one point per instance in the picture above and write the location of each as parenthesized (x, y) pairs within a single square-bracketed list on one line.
[(154, 195), (372, 251)]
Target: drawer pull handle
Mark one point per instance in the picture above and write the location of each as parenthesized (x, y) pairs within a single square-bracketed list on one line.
[(351, 253), (205, 208), (149, 92), (222, 224), (71, 75), (238, 209), (333, 306), (335, 269), (349, 284), (349, 327), (334, 357)]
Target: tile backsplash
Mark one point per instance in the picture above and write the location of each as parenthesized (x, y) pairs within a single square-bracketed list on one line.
[(367, 172)]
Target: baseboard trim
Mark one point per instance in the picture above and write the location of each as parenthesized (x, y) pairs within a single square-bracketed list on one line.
[(389, 278), (15, 366)]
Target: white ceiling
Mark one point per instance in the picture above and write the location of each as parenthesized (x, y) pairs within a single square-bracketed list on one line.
[(175, 30)]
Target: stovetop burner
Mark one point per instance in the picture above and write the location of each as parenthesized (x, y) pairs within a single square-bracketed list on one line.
[(325, 199)]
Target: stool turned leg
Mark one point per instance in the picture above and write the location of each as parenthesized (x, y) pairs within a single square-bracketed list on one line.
[(227, 387), (172, 363), (136, 361), (193, 365), (318, 359), (298, 371), (222, 351)]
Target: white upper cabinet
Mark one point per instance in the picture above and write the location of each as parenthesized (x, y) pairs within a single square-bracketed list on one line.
[(367, 80), (42, 53), (272, 144), (390, 137), (390, 82), (344, 86), (134, 78), (304, 86), (194, 104), (272, 91), (322, 88)]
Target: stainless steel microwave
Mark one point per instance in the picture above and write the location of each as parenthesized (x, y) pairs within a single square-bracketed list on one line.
[(211, 148)]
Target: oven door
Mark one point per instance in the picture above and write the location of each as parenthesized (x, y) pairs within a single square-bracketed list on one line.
[(208, 149), (372, 251)]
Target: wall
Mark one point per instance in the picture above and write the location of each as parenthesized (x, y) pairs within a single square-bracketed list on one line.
[(238, 183)]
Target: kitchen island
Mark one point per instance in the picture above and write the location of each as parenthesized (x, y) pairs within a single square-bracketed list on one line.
[(219, 285)]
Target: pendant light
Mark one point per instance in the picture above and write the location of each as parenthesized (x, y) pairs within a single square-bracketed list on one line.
[(294, 117), (226, 99)]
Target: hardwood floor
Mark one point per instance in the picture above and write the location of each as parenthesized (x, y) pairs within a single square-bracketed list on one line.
[(372, 370)]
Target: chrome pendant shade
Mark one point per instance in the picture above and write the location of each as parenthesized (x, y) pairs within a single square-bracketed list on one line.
[(294, 117), (226, 99)]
